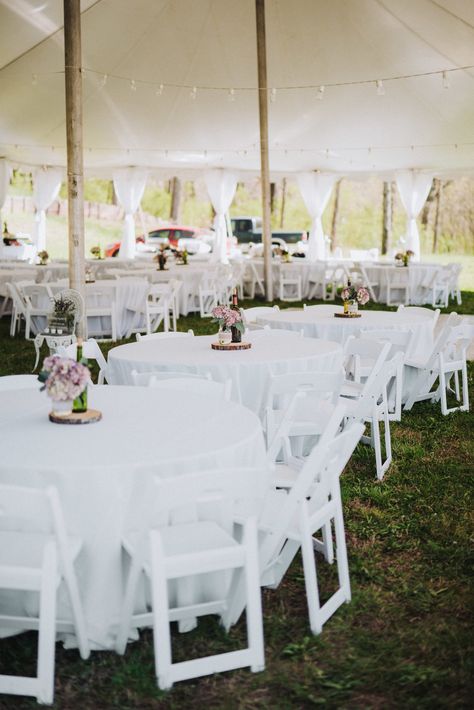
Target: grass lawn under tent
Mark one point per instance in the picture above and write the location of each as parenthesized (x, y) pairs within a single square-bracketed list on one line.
[(406, 639)]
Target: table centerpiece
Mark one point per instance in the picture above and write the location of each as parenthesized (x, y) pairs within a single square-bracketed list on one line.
[(352, 297), (402, 258), (64, 380), (43, 257), (231, 328)]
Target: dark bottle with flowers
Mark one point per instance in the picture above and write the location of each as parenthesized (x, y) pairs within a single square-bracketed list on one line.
[(80, 403), (236, 332)]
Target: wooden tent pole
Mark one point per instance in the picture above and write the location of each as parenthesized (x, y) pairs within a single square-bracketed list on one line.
[(264, 164), (75, 168)]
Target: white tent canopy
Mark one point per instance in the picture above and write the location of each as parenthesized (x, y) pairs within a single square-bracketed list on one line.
[(170, 85)]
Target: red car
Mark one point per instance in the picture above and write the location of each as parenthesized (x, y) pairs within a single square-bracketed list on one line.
[(159, 236)]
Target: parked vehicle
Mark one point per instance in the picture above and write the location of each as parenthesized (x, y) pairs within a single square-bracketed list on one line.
[(163, 235), (249, 229)]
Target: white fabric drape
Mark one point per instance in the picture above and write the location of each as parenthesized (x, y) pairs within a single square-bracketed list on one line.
[(129, 187), (316, 190), (414, 188), (47, 182), (221, 186), (4, 181)]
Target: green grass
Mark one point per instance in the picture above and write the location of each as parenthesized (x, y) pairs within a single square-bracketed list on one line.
[(406, 639)]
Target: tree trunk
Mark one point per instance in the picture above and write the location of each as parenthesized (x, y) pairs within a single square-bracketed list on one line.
[(335, 215), (437, 224), (425, 213), (272, 197), (175, 199), (282, 207), (387, 217)]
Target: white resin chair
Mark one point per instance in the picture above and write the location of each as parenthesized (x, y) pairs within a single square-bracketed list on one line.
[(421, 311), (36, 555), (447, 358), (318, 282), (162, 336), (29, 301), (253, 279), (91, 351), (187, 549), (100, 303), (208, 294), (368, 401), (398, 281), (399, 343), (290, 284), (359, 275), (290, 520), (454, 283), (157, 307), (18, 382), (250, 315), (441, 287)]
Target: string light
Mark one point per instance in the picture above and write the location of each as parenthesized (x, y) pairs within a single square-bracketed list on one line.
[(445, 80), (159, 90), (34, 79), (193, 92), (380, 87), (273, 95), (320, 93), (103, 81), (133, 85), (231, 95)]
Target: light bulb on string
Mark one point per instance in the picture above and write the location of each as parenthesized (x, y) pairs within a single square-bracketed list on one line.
[(193, 93), (34, 79), (231, 95), (103, 81), (159, 90), (380, 87), (445, 80), (133, 85), (273, 95), (320, 93)]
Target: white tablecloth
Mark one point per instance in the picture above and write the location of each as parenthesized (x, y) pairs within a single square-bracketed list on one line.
[(319, 322), (249, 370), (95, 468), (419, 278)]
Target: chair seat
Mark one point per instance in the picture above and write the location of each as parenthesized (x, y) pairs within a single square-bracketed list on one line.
[(351, 389), (24, 549), (284, 475), (184, 539), (310, 417)]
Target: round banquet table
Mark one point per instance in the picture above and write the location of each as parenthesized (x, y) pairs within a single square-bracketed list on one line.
[(100, 468), (319, 322), (249, 370)]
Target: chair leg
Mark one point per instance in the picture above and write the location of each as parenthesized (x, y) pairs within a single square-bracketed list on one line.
[(47, 626), (161, 626), (310, 574), (328, 543), (341, 548), (254, 602), (465, 388)]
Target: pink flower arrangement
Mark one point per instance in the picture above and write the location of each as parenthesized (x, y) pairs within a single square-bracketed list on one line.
[(353, 293), (64, 378), (227, 317)]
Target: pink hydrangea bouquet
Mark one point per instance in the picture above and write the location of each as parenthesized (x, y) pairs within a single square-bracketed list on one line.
[(355, 293), (228, 318), (64, 378)]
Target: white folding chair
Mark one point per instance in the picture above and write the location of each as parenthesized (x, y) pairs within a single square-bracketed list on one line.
[(399, 343), (291, 518), (208, 294), (398, 280), (252, 279), (290, 284), (37, 555), (452, 361), (420, 311), (454, 282), (18, 382), (100, 304), (183, 549), (424, 374), (29, 301), (162, 336), (157, 307), (91, 351), (441, 287), (317, 281), (358, 274), (250, 315), (368, 401)]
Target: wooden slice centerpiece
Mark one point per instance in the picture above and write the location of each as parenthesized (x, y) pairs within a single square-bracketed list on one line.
[(231, 346), (347, 315), (88, 417)]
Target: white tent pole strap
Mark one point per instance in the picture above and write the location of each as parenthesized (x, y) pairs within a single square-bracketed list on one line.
[(316, 190), (414, 188), (129, 185)]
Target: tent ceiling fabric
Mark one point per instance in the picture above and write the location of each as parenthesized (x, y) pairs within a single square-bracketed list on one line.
[(417, 123)]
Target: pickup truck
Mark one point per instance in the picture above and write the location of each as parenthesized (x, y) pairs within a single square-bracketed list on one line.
[(249, 229)]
